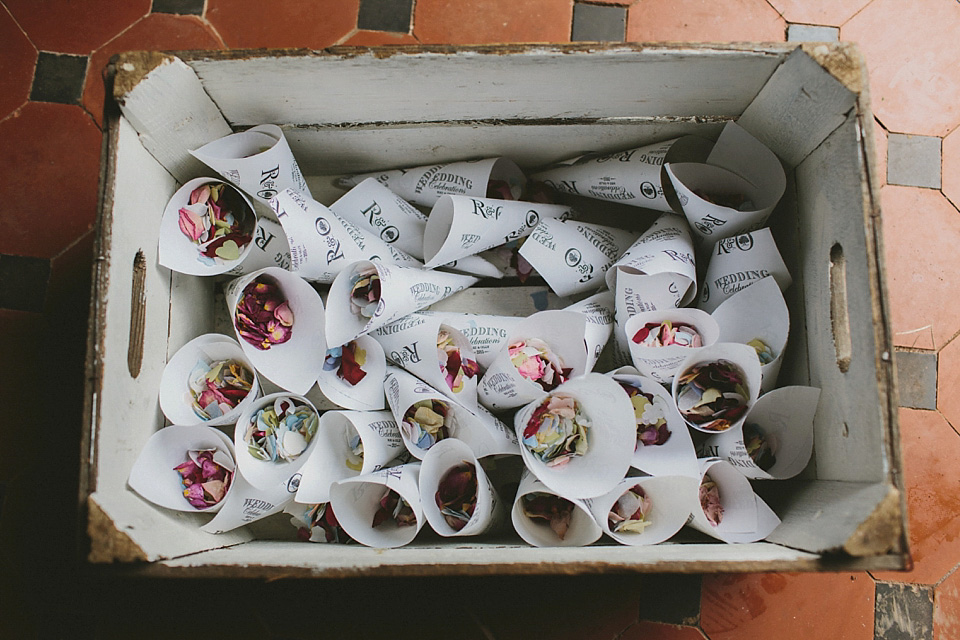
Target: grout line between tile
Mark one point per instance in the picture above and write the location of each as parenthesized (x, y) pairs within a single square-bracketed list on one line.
[(202, 18), (854, 16), (14, 112), (346, 37), (70, 246)]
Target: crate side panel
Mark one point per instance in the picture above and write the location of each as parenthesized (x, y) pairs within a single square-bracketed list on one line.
[(851, 421), (129, 410), (474, 84)]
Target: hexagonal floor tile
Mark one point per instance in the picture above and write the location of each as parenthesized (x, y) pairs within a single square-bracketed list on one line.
[(832, 13), (950, 167), (16, 71), (911, 57), (644, 630), (490, 21), (698, 20), (75, 27), (930, 449), (948, 381), (921, 231), (946, 607), (787, 606), (282, 23)]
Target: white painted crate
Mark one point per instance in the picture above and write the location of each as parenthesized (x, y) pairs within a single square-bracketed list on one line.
[(352, 109)]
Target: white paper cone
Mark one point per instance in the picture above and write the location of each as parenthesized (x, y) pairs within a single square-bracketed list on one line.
[(489, 512), (487, 334), (785, 416), (356, 500), (411, 343), (665, 248), (330, 460), (461, 226), (478, 428), (479, 265), (154, 477), (611, 438), (264, 474), (739, 164), (740, 355), (573, 257), (502, 387), (373, 207), (366, 395), (583, 529), (322, 244), (736, 263), (295, 364), (637, 293), (403, 291), (270, 249), (425, 185), (246, 503), (758, 311), (179, 253), (175, 399), (661, 363), (669, 510), (598, 310), (746, 518), (675, 457), (633, 177), (257, 160)]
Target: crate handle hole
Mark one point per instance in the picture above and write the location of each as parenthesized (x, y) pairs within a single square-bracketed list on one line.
[(839, 315), (138, 314)]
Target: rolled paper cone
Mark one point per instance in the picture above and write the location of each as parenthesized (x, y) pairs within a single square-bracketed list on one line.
[(738, 262), (356, 501), (403, 291), (611, 437), (583, 529), (411, 343), (503, 387), (739, 165), (633, 177), (176, 251), (665, 248), (785, 417), (638, 293), (332, 458), (461, 226), (176, 401), (675, 457), (662, 363), (487, 334), (258, 160), (425, 185), (598, 310), (270, 249), (365, 395), (293, 365), (669, 510), (479, 429), (757, 312), (154, 476), (489, 512), (740, 355), (264, 474), (574, 256), (245, 504), (479, 265), (374, 208), (322, 244), (746, 518)]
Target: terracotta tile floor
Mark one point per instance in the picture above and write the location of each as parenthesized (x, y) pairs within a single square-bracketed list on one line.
[(50, 114)]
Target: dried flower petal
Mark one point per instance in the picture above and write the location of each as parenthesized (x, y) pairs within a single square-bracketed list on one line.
[(536, 361), (764, 352), (760, 447), (219, 221), (281, 432), (664, 334), (712, 395), (394, 509), (217, 388), (454, 366), (554, 510), (631, 512), (710, 500), (557, 431), (205, 481), (365, 292), (263, 318), (426, 422), (457, 495), (317, 523), (650, 413)]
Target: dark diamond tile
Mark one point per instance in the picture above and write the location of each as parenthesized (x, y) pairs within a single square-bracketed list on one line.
[(179, 7), (59, 78), (592, 22), (917, 379), (385, 15), (23, 282), (903, 612), (671, 598)]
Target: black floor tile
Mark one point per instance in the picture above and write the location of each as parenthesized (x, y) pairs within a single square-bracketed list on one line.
[(385, 15), (59, 78), (179, 7), (23, 283), (598, 23), (903, 612)]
